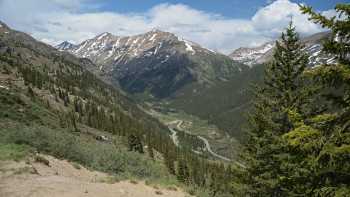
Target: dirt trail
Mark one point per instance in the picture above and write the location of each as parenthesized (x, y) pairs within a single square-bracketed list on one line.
[(63, 179)]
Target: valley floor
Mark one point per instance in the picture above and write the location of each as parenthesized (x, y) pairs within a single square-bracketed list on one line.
[(61, 178), (217, 143)]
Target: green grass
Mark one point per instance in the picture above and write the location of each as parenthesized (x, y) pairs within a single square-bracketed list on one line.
[(10, 151)]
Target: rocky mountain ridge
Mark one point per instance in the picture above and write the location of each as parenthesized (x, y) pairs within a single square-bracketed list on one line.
[(264, 53), (254, 55), (159, 63), (64, 46)]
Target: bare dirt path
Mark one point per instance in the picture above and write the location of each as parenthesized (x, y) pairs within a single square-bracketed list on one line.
[(63, 179)]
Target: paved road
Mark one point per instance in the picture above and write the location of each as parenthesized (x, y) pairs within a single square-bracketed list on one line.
[(174, 134), (207, 145)]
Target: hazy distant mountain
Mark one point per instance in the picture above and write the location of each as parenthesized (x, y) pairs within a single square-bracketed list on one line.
[(255, 55), (264, 53), (159, 63), (64, 46)]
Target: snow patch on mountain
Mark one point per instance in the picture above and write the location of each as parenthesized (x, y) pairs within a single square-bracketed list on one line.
[(82, 46), (188, 45), (135, 41), (152, 38), (166, 59), (102, 35), (251, 56), (312, 47), (4, 87)]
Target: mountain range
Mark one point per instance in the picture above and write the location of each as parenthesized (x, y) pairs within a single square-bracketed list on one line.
[(161, 64), (156, 63), (264, 53)]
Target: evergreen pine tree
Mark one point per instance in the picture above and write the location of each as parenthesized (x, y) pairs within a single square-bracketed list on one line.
[(150, 152), (322, 143), (283, 89), (169, 160), (183, 171), (76, 106), (31, 92), (134, 141)]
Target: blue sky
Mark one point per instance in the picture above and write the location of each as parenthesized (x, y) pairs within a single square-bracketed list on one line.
[(222, 25), (227, 8)]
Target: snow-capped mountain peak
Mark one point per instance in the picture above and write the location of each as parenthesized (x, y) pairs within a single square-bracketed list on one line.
[(264, 53), (255, 55), (107, 49), (162, 56), (64, 46)]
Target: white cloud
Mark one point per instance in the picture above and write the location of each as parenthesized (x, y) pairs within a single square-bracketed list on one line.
[(273, 19), (60, 20)]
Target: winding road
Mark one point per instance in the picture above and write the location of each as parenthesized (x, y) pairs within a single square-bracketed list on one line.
[(207, 145), (174, 134)]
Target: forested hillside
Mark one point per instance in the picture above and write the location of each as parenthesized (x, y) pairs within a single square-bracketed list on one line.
[(225, 103)]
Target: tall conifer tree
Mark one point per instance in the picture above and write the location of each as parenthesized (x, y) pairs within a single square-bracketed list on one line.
[(322, 143), (134, 141), (283, 89)]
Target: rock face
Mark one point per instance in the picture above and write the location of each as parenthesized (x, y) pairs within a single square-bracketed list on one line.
[(159, 63), (264, 53)]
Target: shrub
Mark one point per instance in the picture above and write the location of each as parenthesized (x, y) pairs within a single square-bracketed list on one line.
[(133, 181), (171, 187), (111, 158), (40, 159), (76, 166), (159, 192)]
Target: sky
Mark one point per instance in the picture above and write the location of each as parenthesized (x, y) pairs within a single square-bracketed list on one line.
[(222, 25)]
